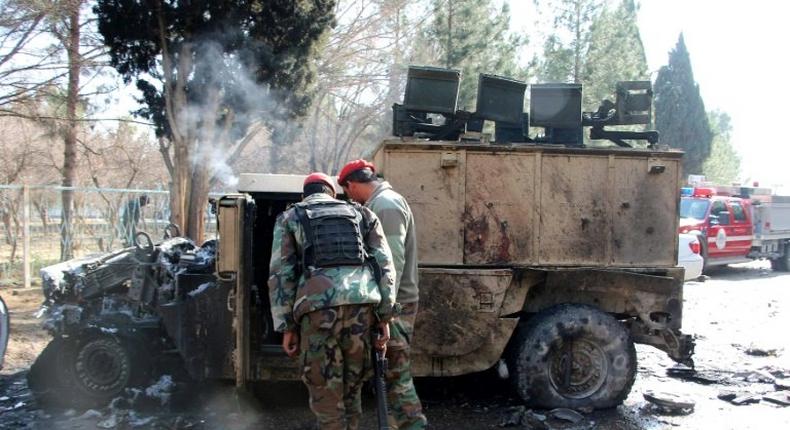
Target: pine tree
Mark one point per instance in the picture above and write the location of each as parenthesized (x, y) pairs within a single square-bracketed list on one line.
[(680, 113), (723, 166), (565, 48), (615, 54), (474, 37)]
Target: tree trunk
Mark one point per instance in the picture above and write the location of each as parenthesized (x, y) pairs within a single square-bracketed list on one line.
[(577, 48), (6, 219), (449, 60), (396, 72), (70, 139), (198, 202), (179, 187)]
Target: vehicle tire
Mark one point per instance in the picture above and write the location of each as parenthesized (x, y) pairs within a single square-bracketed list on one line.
[(572, 356), (87, 372), (783, 262), (102, 369), (703, 252)]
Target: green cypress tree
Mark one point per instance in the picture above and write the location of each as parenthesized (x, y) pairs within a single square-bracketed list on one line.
[(680, 113), (474, 37)]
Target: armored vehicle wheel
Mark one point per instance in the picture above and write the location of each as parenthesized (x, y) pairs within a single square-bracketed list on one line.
[(85, 373), (573, 356), (102, 368), (782, 263)]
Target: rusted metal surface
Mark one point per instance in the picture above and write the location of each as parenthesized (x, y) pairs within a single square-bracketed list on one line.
[(482, 358), (536, 205), (621, 292), (574, 219), (436, 197), (231, 268), (498, 211), (645, 206), (458, 309)]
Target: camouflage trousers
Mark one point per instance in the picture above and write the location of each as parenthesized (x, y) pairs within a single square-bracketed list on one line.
[(335, 357), (404, 404)]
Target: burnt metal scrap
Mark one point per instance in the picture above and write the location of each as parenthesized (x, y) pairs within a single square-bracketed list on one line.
[(106, 312)]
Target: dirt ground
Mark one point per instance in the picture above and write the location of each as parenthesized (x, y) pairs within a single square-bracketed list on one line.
[(27, 339), (740, 317)]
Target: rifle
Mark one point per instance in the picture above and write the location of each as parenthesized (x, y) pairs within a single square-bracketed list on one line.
[(380, 383)]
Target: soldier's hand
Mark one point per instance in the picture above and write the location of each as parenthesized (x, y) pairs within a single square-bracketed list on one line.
[(383, 336), (291, 343)]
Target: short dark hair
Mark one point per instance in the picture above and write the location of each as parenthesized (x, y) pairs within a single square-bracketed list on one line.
[(361, 175), (317, 187), (144, 200)]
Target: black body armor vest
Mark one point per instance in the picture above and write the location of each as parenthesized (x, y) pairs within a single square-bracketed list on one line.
[(334, 234)]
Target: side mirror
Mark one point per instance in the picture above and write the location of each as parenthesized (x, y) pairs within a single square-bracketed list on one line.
[(714, 219)]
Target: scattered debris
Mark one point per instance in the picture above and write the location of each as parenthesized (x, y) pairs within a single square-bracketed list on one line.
[(532, 420), (110, 422), (135, 421), (688, 374), (761, 352), (201, 288), (782, 384), (90, 413), (566, 415), (162, 389), (502, 370), (520, 416), (727, 395), (778, 398), (513, 417), (746, 399), (670, 403), (757, 376)]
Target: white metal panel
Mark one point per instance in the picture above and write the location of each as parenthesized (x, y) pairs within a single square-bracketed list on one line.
[(274, 183)]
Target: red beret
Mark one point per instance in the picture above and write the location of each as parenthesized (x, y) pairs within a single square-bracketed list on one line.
[(320, 178), (352, 167)]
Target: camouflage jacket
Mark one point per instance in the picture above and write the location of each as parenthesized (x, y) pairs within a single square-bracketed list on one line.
[(293, 294), (398, 224)]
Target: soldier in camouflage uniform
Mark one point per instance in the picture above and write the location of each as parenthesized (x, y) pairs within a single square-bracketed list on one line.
[(326, 299), (360, 183)]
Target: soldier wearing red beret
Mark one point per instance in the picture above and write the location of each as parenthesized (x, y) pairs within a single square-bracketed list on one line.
[(358, 179)]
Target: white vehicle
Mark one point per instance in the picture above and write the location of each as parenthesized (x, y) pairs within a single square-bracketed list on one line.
[(689, 255), (5, 327)]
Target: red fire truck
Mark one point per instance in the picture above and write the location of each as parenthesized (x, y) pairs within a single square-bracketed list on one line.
[(738, 224)]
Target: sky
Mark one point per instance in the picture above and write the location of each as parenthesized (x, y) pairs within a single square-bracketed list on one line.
[(741, 62)]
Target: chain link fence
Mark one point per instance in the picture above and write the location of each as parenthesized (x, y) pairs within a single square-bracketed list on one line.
[(103, 219)]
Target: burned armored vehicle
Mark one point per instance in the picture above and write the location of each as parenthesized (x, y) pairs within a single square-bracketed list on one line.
[(538, 253)]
